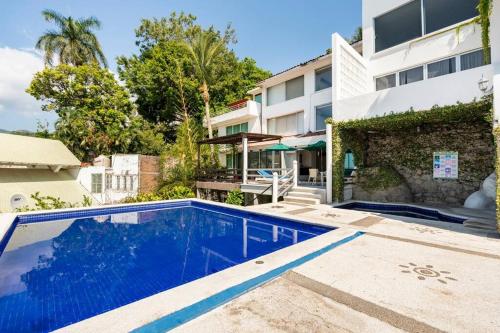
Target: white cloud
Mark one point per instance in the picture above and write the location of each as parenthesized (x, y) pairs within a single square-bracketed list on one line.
[(19, 110)]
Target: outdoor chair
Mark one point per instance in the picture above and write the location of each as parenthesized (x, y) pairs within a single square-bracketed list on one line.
[(313, 174)]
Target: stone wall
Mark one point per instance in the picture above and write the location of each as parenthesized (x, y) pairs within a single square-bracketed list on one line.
[(410, 152)]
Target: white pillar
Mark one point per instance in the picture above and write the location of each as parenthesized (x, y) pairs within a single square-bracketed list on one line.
[(283, 164), (295, 173), (245, 160), (275, 187), (329, 167)]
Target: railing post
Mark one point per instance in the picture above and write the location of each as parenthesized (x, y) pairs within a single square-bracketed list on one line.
[(295, 173), (275, 187)]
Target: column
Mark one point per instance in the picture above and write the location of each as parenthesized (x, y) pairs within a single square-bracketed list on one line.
[(245, 160), (329, 161)]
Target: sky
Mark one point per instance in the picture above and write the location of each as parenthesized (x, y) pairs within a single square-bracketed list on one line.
[(278, 34)]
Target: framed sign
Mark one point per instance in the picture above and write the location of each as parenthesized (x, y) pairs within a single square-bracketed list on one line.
[(446, 164)]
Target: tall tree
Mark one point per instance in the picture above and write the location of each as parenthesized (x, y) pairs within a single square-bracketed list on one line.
[(95, 113), (74, 42), (204, 49)]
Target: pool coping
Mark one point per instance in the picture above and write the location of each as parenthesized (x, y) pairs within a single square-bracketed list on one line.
[(429, 208), (194, 291)]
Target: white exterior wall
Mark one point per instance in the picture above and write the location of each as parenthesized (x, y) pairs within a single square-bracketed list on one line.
[(85, 179), (250, 113), (461, 86)]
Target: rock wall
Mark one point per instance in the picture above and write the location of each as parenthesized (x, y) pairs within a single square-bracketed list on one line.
[(410, 152)]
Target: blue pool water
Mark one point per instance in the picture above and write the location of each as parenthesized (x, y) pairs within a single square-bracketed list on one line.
[(59, 272), (403, 210)]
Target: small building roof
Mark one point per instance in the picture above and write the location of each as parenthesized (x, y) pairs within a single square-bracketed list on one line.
[(32, 151), (238, 137)]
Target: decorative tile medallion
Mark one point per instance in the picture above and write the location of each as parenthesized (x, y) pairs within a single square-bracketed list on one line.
[(427, 272)]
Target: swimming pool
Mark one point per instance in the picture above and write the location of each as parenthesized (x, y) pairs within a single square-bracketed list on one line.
[(403, 210), (60, 268)]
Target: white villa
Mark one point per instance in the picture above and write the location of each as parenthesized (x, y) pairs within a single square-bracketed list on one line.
[(415, 54)]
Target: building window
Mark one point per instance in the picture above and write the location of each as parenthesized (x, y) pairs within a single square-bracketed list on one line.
[(398, 26), (118, 178), (323, 78), (385, 82), (322, 113), (96, 185), (442, 67), (238, 128), (443, 13), (125, 178), (258, 98), (411, 75), (285, 91), (109, 181), (472, 60), (295, 88), (287, 125), (131, 183)]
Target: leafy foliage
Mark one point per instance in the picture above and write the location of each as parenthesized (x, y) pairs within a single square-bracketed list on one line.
[(235, 197), (165, 193), (74, 42), (377, 178), (496, 134), (485, 8), (95, 113), (152, 75), (351, 134), (50, 202)]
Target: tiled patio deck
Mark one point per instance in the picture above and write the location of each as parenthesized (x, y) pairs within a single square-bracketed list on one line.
[(404, 274)]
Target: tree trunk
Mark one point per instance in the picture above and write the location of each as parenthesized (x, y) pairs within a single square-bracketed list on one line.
[(206, 99)]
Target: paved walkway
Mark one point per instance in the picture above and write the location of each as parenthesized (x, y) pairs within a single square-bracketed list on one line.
[(403, 275)]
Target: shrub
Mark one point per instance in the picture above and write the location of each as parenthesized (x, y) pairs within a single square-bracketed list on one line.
[(49, 202), (176, 192), (235, 197)]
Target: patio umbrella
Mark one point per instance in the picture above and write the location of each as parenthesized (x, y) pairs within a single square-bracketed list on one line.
[(281, 148), (320, 145)]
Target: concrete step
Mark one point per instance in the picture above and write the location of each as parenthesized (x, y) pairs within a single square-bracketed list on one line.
[(295, 193), (302, 200), (309, 189)]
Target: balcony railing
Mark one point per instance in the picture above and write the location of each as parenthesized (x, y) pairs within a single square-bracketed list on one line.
[(219, 175)]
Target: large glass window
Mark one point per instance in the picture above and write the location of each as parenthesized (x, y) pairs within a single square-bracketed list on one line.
[(411, 75), (287, 125), (471, 60), (442, 13), (258, 98), (323, 78), (295, 88), (399, 25), (385, 82), (109, 181), (442, 67), (96, 185), (276, 94), (322, 113), (238, 128)]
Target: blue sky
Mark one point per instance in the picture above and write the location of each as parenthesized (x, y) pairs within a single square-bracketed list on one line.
[(276, 33)]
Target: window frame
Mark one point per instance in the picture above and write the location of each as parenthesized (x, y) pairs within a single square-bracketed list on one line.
[(316, 115), (96, 186), (322, 69)]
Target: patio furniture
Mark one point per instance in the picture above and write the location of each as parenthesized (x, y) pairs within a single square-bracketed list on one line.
[(313, 174)]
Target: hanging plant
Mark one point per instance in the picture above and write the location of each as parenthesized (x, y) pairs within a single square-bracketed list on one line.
[(485, 8)]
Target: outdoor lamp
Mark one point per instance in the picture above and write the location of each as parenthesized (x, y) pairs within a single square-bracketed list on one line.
[(483, 84)]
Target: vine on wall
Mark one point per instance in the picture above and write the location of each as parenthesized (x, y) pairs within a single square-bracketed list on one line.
[(352, 134), (485, 8)]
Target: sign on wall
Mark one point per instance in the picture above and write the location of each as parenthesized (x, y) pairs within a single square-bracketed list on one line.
[(446, 164)]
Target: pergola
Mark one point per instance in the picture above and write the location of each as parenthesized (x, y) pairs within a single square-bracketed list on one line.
[(235, 139)]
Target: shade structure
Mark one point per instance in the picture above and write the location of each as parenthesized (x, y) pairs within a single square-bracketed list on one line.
[(280, 147), (316, 146)]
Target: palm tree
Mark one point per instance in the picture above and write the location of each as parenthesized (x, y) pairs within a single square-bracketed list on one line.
[(74, 42), (205, 48)]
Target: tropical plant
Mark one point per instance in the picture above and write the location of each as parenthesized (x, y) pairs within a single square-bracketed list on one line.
[(204, 50), (176, 192), (50, 202), (235, 197), (74, 42)]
